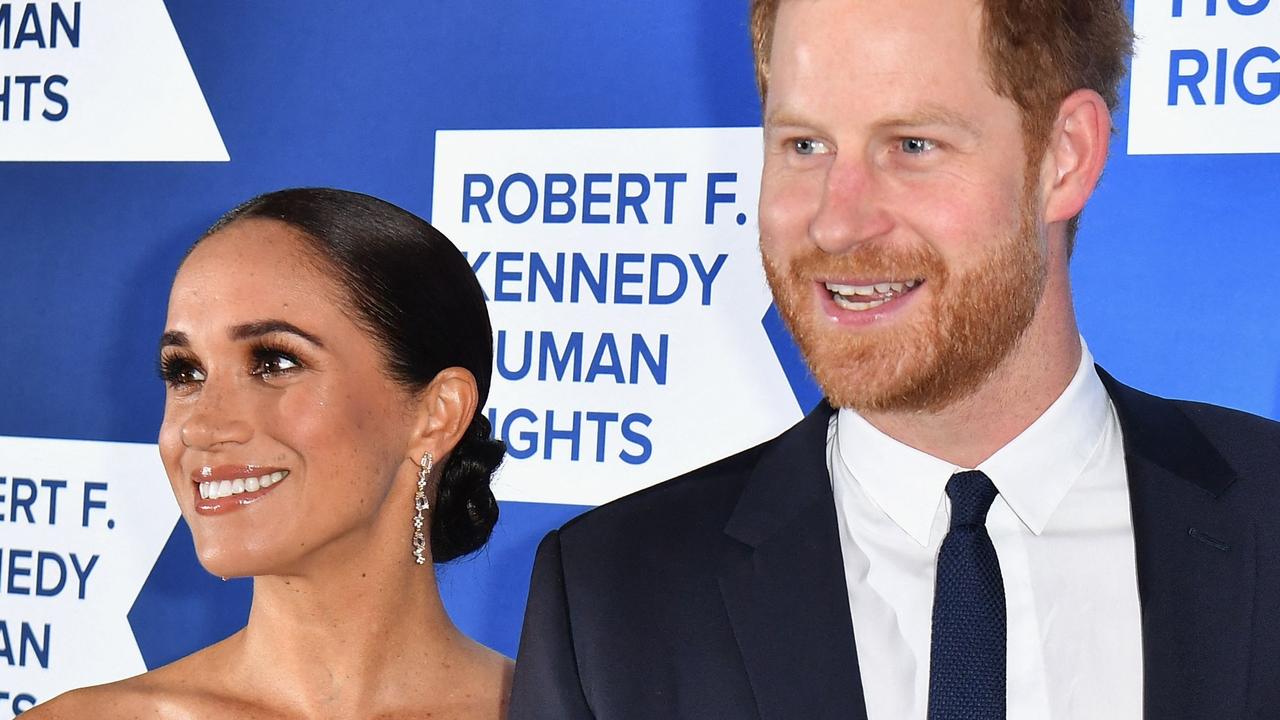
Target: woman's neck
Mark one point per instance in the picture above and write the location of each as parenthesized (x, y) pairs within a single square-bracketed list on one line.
[(346, 637)]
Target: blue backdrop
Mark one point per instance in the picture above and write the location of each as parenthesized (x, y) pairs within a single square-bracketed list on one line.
[(1174, 271)]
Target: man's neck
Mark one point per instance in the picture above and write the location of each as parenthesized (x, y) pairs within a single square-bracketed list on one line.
[(1022, 387)]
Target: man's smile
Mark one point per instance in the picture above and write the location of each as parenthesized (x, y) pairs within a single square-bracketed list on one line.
[(869, 296)]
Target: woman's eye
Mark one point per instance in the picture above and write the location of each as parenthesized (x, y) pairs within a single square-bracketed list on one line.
[(179, 373), (917, 146), (272, 363), (808, 146)]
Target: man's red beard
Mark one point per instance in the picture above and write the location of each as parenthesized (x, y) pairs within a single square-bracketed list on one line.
[(941, 353)]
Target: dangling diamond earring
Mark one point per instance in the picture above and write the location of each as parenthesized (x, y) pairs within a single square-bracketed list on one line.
[(420, 504)]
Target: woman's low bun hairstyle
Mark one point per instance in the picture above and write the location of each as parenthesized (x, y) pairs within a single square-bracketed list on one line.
[(416, 295), (465, 509)]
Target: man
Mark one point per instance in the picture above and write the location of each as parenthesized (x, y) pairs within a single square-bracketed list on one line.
[(978, 523)]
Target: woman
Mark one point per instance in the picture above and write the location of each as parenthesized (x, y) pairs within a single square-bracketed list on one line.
[(326, 357)]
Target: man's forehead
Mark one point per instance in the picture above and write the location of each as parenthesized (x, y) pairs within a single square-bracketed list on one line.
[(893, 56), (809, 30)]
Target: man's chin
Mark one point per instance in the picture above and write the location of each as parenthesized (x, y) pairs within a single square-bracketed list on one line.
[(875, 371), (868, 391)]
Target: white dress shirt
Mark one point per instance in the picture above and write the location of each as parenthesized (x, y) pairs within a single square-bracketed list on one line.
[(1061, 528)]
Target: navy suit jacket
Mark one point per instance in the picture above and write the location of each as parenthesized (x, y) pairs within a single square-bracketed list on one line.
[(721, 593)]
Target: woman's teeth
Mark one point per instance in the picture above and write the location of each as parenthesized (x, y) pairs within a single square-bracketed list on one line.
[(869, 296), (214, 489)]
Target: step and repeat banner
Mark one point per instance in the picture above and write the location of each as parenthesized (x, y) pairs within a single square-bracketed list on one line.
[(598, 163)]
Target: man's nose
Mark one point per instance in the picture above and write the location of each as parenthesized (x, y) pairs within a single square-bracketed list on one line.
[(851, 210), (219, 417)]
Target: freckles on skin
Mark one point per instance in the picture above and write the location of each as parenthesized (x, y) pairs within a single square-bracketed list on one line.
[(331, 429)]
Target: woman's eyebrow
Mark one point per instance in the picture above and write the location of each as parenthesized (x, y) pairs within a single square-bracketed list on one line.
[(175, 338), (258, 328)]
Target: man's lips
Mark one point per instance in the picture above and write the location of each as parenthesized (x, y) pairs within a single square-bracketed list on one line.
[(863, 302), (870, 295)]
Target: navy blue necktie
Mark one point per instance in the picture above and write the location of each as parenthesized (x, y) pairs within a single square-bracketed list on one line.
[(967, 659)]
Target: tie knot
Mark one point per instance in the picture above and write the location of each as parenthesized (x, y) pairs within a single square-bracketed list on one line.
[(971, 493)]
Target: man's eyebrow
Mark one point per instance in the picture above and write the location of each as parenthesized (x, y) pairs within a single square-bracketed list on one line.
[(932, 115), (258, 328), (784, 118), (927, 115)]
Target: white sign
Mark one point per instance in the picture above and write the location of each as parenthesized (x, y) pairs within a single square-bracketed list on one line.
[(1206, 77), (99, 80), (626, 292), (83, 525)]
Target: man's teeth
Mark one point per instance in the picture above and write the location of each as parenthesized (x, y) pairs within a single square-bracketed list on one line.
[(214, 489), (876, 295), (877, 289), (855, 305)]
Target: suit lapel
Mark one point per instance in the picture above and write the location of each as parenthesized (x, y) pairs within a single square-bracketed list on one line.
[(783, 584), (1196, 562)]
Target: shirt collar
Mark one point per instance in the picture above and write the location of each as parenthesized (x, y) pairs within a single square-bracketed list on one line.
[(1033, 472)]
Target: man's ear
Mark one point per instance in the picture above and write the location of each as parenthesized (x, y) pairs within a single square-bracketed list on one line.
[(444, 409), (1076, 154)]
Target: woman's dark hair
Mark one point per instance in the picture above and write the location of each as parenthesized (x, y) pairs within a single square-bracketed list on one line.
[(415, 293)]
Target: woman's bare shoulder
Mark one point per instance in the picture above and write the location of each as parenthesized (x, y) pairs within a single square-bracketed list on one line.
[(169, 691), (136, 697)]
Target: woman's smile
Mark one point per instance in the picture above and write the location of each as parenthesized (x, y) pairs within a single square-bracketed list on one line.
[(226, 488)]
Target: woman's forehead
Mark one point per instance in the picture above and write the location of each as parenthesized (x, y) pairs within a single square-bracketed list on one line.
[(255, 266)]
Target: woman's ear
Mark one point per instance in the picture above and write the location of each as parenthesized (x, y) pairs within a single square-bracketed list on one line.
[(444, 410)]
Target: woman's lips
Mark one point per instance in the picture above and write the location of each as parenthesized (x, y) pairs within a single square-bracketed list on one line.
[(227, 488)]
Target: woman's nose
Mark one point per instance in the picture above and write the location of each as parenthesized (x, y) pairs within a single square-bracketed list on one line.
[(218, 418)]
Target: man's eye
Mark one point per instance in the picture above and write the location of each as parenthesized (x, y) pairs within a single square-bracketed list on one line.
[(916, 146), (808, 146)]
